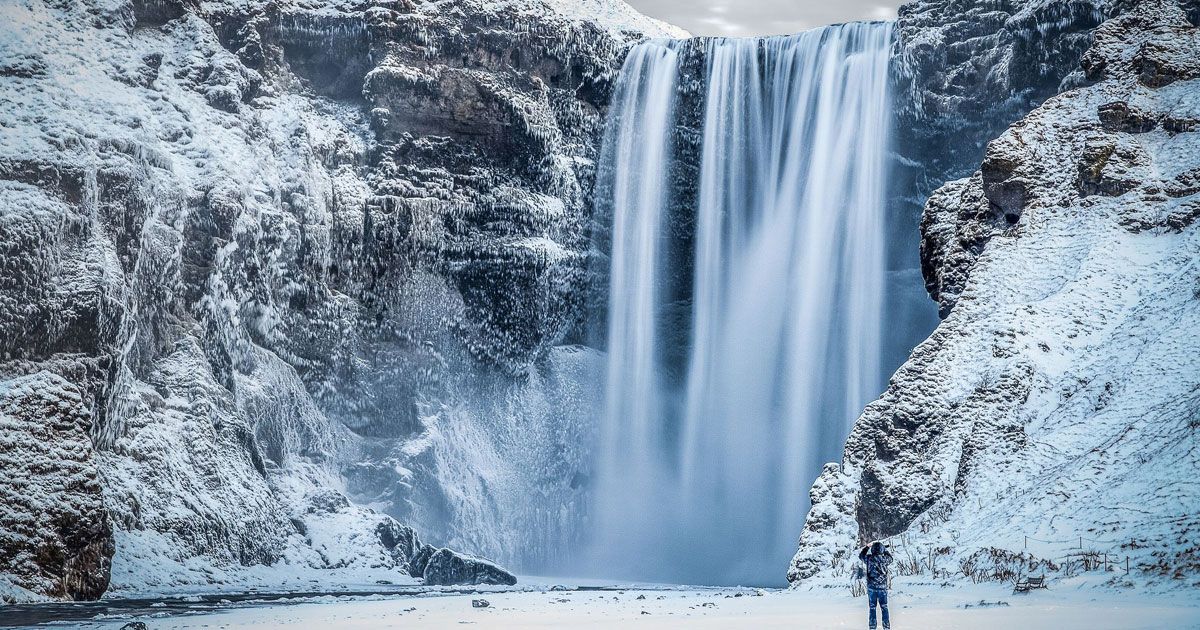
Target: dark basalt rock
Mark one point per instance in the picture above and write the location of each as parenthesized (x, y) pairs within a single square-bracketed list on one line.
[(149, 13), (447, 568), (55, 535), (1158, 66), (420, 560), (400, 540), (1119, 116), (1175, 124), (443, 567)]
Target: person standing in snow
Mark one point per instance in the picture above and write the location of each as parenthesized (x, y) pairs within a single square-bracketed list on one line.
[(877, 558)]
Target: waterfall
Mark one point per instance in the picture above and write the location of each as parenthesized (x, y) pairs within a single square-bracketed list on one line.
[(636, 155), (704, 477)]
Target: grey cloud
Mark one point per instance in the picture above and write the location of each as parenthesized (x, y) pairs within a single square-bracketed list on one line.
[(740, 18)]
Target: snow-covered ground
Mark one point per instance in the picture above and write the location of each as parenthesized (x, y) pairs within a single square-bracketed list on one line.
[(1064, 606)]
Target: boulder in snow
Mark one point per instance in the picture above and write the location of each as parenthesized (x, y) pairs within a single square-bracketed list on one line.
[(447, 568)]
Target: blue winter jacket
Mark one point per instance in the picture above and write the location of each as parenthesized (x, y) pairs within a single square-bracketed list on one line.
[(877, 567)]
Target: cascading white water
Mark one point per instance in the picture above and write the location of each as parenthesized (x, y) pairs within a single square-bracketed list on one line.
[(707, 480), (637, 146)]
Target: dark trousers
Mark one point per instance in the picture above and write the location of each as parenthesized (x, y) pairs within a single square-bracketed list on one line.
[(878, 596)]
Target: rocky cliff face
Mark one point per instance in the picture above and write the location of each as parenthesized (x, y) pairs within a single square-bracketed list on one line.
[(1058, 398), (248, 249), (55, 535), (963, 72)]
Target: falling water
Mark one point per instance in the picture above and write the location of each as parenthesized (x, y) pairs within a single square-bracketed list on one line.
[(705, 478), (638, 147)]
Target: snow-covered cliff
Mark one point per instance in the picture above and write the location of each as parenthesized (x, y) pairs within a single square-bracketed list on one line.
[(247, 249), (1059, 400)]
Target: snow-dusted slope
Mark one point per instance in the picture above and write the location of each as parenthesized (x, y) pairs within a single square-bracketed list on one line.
[(1060, 398), (614, 16), (255, 250)]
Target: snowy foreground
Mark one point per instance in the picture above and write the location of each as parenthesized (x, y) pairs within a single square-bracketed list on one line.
[(1065, 606)]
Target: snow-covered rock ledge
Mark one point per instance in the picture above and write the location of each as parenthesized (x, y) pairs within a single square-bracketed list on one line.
[(1056, 408)]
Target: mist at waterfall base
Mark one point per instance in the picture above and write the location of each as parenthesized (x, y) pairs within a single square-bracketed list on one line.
[(738, 354)]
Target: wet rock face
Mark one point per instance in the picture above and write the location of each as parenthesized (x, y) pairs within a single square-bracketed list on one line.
[(968, 70), (55, 536), (1063, 268), (485, 131)]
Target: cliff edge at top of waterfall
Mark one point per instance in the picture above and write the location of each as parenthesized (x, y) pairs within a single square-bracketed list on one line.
[(1049, 424), (616, 17), (613, 15)]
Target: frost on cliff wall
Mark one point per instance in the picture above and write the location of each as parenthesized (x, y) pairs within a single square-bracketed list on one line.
[(962, 73), (246, 251), (1060, 397)]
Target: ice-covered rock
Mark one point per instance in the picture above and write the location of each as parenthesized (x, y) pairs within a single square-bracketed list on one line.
[(1054, 410), (268, 246), (55, 535), (447, 568), (963, 72)]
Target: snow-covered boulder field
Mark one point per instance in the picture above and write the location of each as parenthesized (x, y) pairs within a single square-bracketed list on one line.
[(1059, 400), (244, 245)]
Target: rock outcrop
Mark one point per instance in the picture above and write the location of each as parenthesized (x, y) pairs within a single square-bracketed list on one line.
[(265, 246), (1058, 398), (443, 567), (967, 70), (963, 72)]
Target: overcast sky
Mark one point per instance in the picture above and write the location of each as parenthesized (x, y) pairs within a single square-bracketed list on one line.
[(738, 18)]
